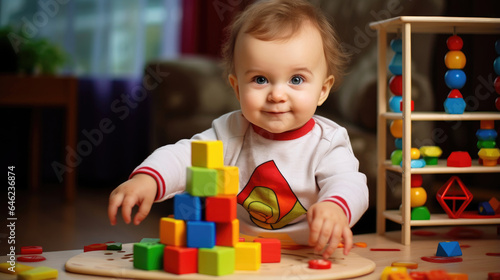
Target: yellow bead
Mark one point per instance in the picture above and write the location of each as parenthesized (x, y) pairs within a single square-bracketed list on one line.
[(418, 197), (397, 128), (454, 60), (414, 153)]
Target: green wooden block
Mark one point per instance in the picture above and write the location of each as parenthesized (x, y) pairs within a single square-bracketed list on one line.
[(40, 272), (150, 240), (420, 213), (431, 160), (201, 181), (114, 246), (216, 261), (148, 256)]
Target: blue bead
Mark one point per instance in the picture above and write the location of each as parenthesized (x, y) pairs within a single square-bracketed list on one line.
[(396, 64), (496, 65), (486, 134), (397, 45), (394, 103), (455, 78), (454, 105), (416, 163), (399, 143), (497, 46)]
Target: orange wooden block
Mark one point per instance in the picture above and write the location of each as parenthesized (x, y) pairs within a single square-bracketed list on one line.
[(399, 276), (172, 232), (458, 276)]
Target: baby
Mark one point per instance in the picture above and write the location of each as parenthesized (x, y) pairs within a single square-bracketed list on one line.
[(299, 179)]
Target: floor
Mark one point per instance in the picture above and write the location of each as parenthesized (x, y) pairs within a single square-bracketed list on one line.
[(44, 219)]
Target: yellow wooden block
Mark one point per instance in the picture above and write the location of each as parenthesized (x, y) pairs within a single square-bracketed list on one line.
[(16, 268), (38, 273), (172, 232), (228, 180), (247, 255), (207, 154), (392, 269)]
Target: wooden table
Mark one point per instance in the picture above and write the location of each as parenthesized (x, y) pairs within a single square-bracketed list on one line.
[(475, 261), (39, 92)]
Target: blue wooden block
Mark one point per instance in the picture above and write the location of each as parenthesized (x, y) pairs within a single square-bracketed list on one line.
[(187, 207), (200, 234), (485, 208), (486, 134), (448, 249), (454, 106)]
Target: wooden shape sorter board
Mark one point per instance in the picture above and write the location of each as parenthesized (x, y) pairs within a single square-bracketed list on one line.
[(294, 263)]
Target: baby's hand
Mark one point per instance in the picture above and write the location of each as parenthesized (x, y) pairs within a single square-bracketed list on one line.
[(139, 190), (327, 225)]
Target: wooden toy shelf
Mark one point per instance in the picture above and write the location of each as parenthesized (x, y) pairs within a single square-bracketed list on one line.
[(406, 25)]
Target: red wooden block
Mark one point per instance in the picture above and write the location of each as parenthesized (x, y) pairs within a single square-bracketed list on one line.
[(459, 159), (221, 209), (493, 275), (227, 234), (95, 247), (180, 260), (31, 250), (271, 250)]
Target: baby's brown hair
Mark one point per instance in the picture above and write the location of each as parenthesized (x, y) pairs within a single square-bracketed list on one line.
[(269, 20)]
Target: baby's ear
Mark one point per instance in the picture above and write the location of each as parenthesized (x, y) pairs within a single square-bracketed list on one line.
[(325, 89), (233, 81)]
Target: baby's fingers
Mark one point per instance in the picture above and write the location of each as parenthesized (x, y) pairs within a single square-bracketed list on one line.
[(143, 211), (114, 202), (128, 203), (347, 235)]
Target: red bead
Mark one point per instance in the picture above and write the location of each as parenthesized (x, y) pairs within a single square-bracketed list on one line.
[(412, 106), (396, 85), (455, 93), (454, 43), (497, 84), (31, 250), (416, 180)]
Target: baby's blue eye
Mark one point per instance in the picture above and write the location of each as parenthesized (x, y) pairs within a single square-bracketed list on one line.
[(260, 80), (297, 80)]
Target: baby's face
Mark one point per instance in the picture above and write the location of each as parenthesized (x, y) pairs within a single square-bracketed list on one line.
[(280, 83)]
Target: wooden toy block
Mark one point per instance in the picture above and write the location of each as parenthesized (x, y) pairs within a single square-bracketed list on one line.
[(221, 209), (420, 213), (431, 154), (459, 159), (392, 269), (150, 240), (458, 276), (448, 249), (271, 249), (227, 234), (148, 256), (228, 180), (486, 134), (208, 154), (114, 246), (495, 204), (487, 124), (485, 208), (216, 261), (180, 260), (31, 250), (187, 207), (399, 276), (95, 247), (247, 255), (200, 234), (38, 273), (201, 181), (436, 275), (14, 267), (489, 156), (172, 232)]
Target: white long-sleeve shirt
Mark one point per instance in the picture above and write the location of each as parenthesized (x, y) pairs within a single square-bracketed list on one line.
[(281, 175)]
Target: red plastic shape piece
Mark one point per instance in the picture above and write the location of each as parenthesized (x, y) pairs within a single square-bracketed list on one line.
[(95, 247), (31, 250), (493, 254), (436, 259), (447, 193), (459, 159), (384, 249), (320, 264), (31, 259)]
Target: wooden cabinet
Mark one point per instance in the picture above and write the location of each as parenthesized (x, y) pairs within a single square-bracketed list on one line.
[(407, 25)]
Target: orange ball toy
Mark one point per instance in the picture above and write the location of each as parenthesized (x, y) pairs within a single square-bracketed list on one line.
[(455, 60), (418, 197)]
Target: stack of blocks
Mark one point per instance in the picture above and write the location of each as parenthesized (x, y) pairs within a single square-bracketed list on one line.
[(486, 143), (203, 235)]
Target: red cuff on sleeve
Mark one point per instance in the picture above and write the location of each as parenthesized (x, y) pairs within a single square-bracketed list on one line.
[(342, 203), (158, 178)]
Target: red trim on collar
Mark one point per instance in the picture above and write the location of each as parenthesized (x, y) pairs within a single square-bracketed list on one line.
[(287, 135)]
